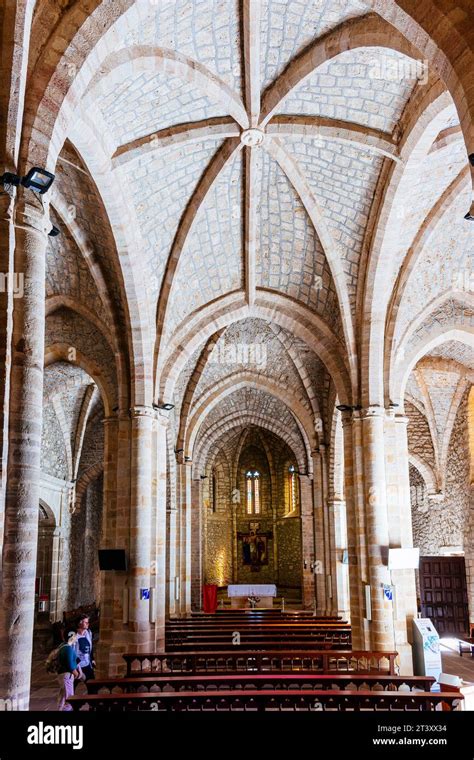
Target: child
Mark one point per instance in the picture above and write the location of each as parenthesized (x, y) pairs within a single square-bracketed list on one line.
[(68, 671)]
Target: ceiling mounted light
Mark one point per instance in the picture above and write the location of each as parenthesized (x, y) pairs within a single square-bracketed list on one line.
[(37, 179)]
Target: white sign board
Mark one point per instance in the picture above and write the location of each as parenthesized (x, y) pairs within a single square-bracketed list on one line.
[(403, 559)]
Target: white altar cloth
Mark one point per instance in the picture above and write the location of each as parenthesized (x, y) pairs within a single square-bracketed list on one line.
[(247, 589)]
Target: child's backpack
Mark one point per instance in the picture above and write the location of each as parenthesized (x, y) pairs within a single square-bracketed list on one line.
[(52, 661)]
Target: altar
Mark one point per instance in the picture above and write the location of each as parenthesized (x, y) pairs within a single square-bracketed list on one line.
[(240, 593)]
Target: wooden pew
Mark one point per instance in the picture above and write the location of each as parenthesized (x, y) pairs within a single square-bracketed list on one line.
[(268, 614), (260, 644), (279, 681), (241, 661), (184, 625), (217, 635), (268, 701)]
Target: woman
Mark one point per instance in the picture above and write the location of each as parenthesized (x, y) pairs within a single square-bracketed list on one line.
[(84, 647), (67, 671)]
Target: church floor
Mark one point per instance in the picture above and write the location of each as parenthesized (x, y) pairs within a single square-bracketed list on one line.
[(44, 688)]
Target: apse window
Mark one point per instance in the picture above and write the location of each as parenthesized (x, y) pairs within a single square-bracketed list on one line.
[(253, 492)]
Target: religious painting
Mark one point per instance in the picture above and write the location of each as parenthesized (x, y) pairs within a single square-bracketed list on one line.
[(254, 549)]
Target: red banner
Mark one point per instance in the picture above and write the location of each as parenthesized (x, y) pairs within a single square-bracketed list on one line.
[(209, 597)]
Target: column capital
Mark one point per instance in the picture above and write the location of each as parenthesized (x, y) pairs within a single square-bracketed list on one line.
[(372, 412), (335, 502), (182, 459), (402, 419), (162, 417), (142, 411), (109, 421), (31, 213), (7, 206)]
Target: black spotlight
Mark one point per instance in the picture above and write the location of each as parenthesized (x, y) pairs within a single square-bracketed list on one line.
[(54, 231), (470, 215), (166, 407), (471, 159), (37, 179), (344, 408)]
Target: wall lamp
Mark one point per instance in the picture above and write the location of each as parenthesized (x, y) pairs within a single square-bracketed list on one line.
[(166, 407), (37, 179)]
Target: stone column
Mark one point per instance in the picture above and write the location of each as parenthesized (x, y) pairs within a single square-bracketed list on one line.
[(338, 508), (196, 545), (7, 245), (25, 426), (328, 577), (159, 503), (381, 624), (109, 515), (120, 637), (355, 582), (54, 611), (307, 536), (184, 496), (140, 527), (401, 535), (332, 577), (319, 566), (469, 524)]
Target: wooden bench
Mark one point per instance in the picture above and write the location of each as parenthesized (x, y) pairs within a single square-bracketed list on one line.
[(256, 681), (267, 634), (466, 645), (232, 661), (262, 643), (269, 701), (255, 616), (256, 625)]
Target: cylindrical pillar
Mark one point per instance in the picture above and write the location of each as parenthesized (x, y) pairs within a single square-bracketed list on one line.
[(196, 545), (381, 623), (319, 567), (109, 515), (404, 580), (338, 509), (355, 586), (184, 479), (7, 288), (159, 501), (307, 535), (140, 527), (24, 449)]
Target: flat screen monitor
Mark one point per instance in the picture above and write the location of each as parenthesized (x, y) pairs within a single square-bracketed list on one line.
[(112, 559)]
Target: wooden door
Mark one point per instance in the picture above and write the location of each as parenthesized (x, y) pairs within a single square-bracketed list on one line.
[(443, 594)]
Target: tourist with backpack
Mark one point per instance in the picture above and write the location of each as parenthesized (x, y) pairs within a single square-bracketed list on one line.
[(63, 662)]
